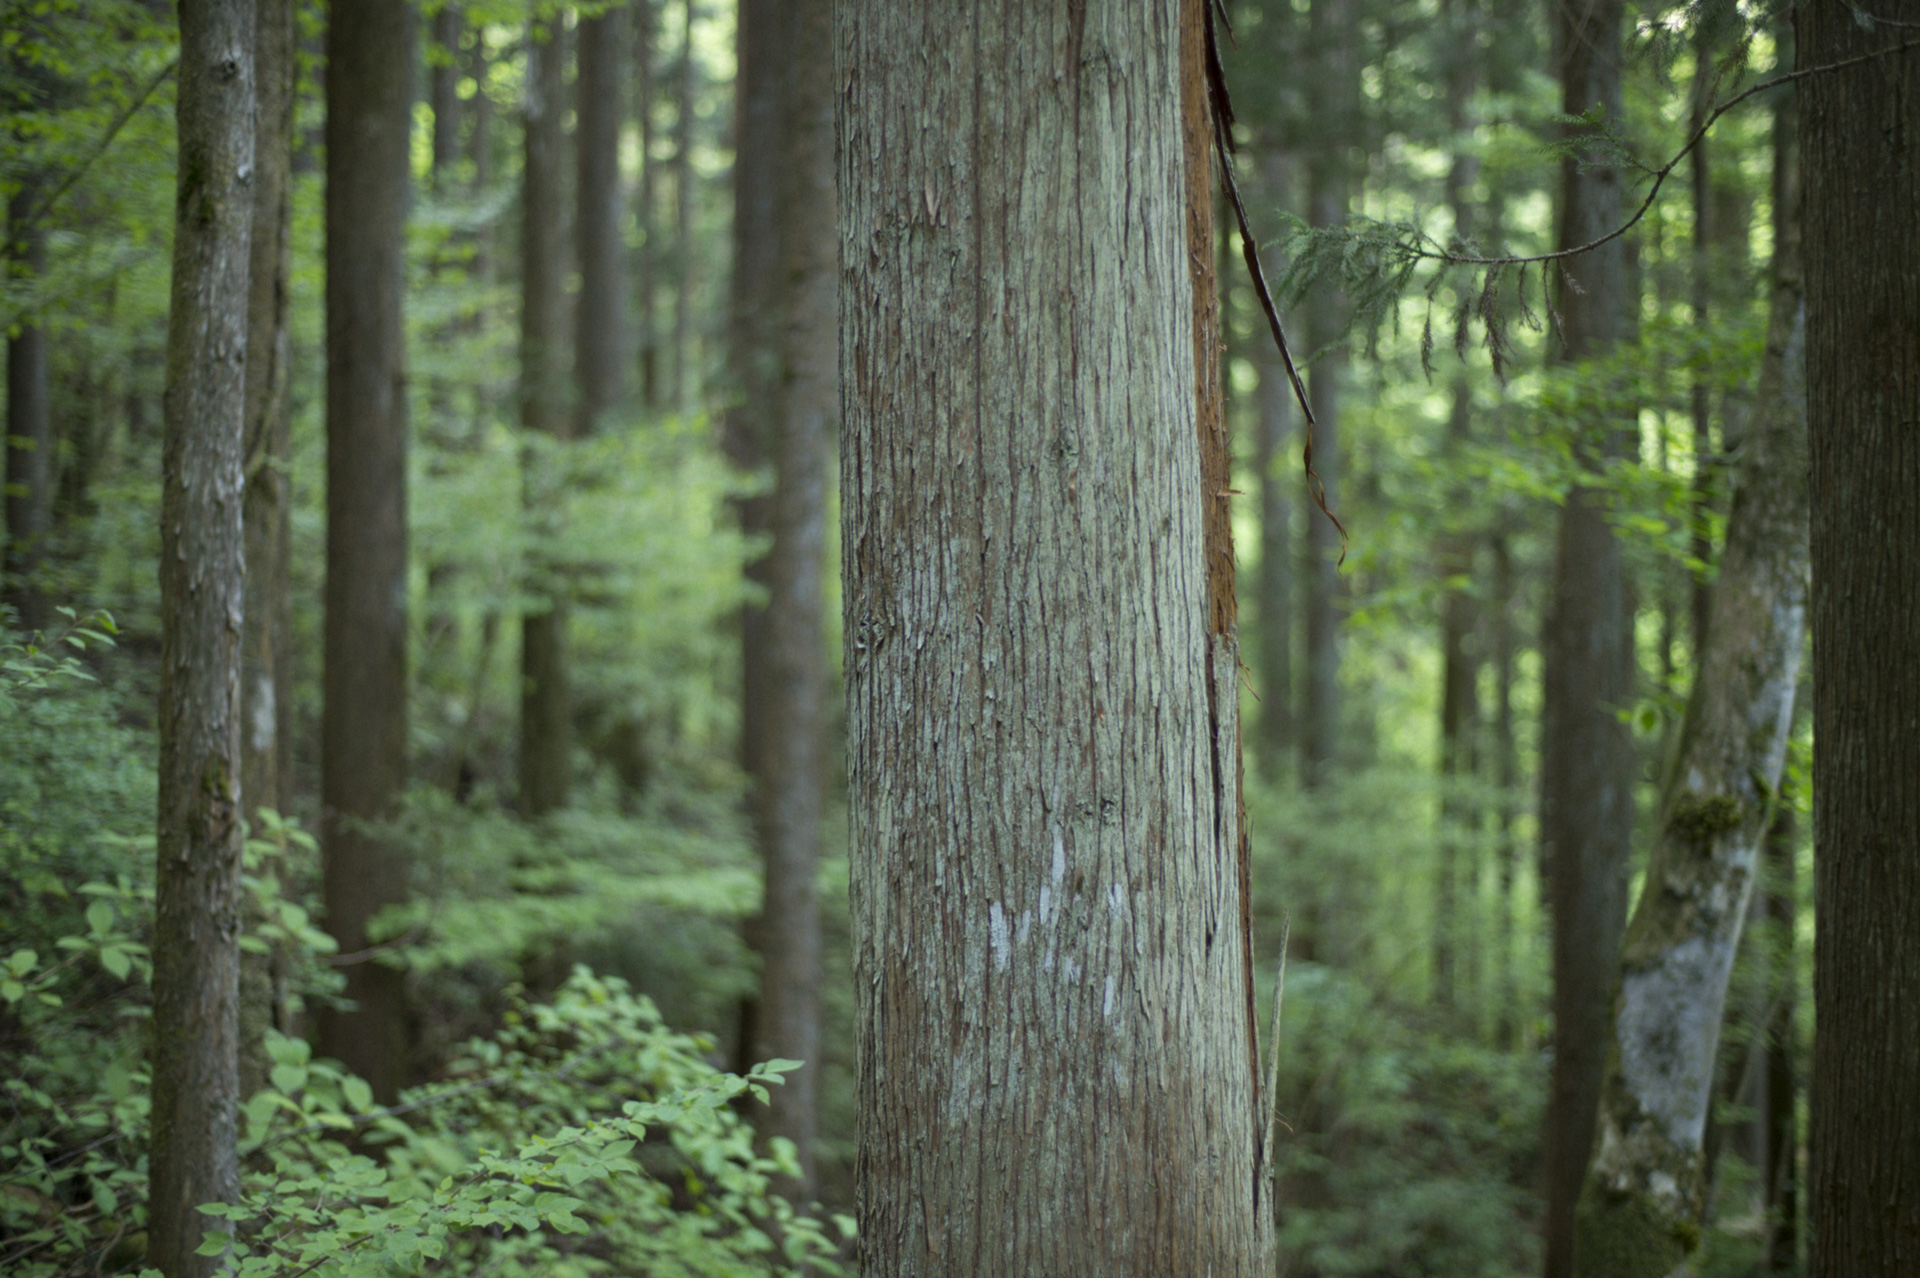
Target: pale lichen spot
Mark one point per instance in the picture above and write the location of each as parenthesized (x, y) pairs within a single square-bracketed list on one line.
[(1106, 1003), (1002, 940)]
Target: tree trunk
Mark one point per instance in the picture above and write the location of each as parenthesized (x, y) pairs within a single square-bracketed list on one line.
[(1276, 464), (1586, 757), (29, 443), (643, 93), (1048, 893), (363, 746), (1699, 395), (443, 93), (1505, 766), (266, 646), (1333, 93), (682, 365), (546, 717), (1863, 384), (196, 936), (1779, 1126), (600, 319), (1645, 1192)]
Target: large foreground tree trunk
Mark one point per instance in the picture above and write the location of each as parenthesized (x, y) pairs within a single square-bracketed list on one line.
[(1048, 895), (196, 935), (1862, 147), (1586, 753), (1645, 1192), (363, 732)]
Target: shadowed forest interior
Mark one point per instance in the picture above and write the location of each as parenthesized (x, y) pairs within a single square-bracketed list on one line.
[(461, 811)]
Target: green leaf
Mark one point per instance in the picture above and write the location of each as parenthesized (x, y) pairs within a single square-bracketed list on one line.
[(289, 1078), (12, 990), (115, 960), (100, 919), (214, 1243), (359, 1096), (22, 962)]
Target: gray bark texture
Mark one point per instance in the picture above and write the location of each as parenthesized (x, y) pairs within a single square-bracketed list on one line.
[(1861, 132), (1275, 462), (266, 651), (546, 702), (29, 442), (363, 731), (600, 318), (789, 364), (1645, 1192), (196, 932), (1586, 753), (1050, 939)]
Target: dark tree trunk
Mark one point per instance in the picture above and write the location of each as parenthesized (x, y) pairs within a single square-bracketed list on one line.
[(363, 746), (29, 444), (1048, 899), (1779, 1145), (196, 931), (682, 358), (1862, 166), (1505, 767), (1586, 756), (600, 319), (266, 649), (1700, 395), (443, 93), (1334, 93), (1276, 463), (1646, 1191), (546, 715), (643, 95)]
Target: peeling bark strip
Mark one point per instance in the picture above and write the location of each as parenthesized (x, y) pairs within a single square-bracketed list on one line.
[(1639, 1216), (1043, 755), (196, 940)]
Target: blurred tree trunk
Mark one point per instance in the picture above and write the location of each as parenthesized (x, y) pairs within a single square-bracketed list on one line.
[(682, 360), (1042, 673), (644, 29), (29, 444), (196, 928), (1454, 555), (600, 319), (1505, 767), (546, 714), (1274, 462), (1587, 763), (1700, 393), (266, 644), (1333, 104), (363, 746), (1779, 1146), (1645, 1193), (1862, 166), (443, 93)]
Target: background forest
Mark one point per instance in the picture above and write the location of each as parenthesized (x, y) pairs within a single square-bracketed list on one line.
[(602, 684)]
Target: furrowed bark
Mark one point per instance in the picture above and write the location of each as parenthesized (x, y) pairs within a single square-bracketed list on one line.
[(1644, 1196), (1049, 943), (196, 930), (1862, 165)]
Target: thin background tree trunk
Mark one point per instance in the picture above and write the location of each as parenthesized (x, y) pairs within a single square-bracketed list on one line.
[(266, 688), (363, 734), (1587, 764), (29, 443), (1050, 947), (643, 94), (196, 930), (546, 714), (683, 367), (1276, 463), (1861, 137), (600, 358)]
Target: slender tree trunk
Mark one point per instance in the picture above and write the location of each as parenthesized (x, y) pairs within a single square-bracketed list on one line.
[(1506, 777), (1780, 1170), (1586, 757), (29, 444), (643, 95), (1700, 395), (266, 648), (1645, 1193), (600, 318), (791, 787), (363, 747), (546, 736), (1276, 464), (1862, 168), (1334, 92), (1056, 1040), (683, 271), (443, 93), (196, 937)]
